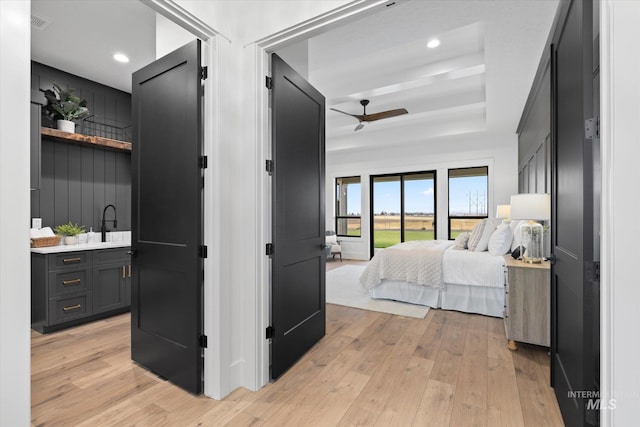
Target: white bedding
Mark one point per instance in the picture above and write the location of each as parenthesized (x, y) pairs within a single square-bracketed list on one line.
[(419, 262), (463, 267), (434, 263)]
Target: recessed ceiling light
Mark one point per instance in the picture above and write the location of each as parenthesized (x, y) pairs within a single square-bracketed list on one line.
[(433, 43), (121, 57)]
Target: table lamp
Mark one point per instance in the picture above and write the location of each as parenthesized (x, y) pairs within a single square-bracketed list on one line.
[(532, 207)]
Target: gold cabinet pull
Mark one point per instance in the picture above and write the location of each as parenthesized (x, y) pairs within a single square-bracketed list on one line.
[(68, 260), (70, 282), (123, 273), (129, 270), (73, 307)]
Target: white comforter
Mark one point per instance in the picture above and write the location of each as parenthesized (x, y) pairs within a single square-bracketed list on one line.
[(434, 263), (418, 262)]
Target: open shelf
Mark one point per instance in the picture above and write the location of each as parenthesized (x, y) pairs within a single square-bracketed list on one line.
[(93, 141)]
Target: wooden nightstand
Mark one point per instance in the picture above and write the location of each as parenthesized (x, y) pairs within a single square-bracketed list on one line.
[(527, 303)]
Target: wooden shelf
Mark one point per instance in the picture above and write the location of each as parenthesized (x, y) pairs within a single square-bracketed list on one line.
[(93, 141)]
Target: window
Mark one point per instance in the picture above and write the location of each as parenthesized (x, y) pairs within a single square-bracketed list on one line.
[(403, 208), (468, 204), (348, 203)]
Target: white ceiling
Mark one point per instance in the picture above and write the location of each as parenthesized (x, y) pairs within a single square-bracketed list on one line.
[(477, 80), (82, 35)]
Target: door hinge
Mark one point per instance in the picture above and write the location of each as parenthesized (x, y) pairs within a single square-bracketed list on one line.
[(203, 341), (204, 73), (268, 82), (592, 128), (269, 332), (203, 162), (269, 167), (203, 251), (593, 271), (269, 249)]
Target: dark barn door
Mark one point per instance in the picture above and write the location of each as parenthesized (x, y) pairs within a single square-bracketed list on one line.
[(166, 292), (298, 265), (574, 288)]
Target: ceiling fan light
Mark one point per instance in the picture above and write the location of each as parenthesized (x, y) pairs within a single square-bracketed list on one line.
[(433, 43), (360, 126)]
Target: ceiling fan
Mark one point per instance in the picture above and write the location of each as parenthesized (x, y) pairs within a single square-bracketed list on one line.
[(366, 118)]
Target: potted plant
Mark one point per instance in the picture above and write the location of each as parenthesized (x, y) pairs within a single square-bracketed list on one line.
[(64, 107), (70, 232)]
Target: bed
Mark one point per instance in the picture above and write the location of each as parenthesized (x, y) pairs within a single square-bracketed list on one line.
[(439, 275)]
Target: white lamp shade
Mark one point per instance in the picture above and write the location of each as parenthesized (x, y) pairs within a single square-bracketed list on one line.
[(531, 206), (503, 211)]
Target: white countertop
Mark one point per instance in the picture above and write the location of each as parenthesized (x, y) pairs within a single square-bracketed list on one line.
[(81, 247)]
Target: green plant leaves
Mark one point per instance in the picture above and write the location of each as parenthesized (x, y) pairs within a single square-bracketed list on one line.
[(68, 229), (63, 104)]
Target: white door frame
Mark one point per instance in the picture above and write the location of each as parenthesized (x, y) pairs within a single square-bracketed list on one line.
[(263, 49)]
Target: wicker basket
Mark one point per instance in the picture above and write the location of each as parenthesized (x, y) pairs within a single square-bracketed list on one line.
[(42, 242)]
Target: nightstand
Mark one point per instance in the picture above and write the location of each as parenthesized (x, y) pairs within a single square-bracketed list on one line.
[(527, 303)]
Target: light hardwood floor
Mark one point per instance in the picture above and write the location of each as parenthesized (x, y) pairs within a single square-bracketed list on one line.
[(371, 369)]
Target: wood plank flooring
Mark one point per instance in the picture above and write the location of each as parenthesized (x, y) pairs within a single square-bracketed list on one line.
[(373, 369)]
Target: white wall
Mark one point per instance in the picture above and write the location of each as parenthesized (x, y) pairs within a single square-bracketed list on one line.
[(498, 152), (620, 293), (15, 319)]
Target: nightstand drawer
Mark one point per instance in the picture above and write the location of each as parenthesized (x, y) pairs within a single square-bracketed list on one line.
[(61, 310), (67, 282), (70, 260)]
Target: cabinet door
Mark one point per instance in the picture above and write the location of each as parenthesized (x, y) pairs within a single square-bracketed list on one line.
[(109, 287)]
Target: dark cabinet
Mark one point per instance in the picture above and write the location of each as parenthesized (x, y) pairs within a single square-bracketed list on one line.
[(76, 287), (111, 280)]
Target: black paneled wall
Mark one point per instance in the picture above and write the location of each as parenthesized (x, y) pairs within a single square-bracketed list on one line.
[(102, 100), (77, 182)]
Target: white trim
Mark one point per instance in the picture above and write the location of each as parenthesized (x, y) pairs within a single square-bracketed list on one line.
[(606, 247), (183, 18), (322, 23), (216, 379)]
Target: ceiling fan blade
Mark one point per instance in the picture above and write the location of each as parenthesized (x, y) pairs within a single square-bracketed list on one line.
[(344, 112), (384, 115)]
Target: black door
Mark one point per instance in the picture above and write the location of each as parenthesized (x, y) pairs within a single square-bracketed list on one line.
[(298, 265), (573, 367), (166, 291)]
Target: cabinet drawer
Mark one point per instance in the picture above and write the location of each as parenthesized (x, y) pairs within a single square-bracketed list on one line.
[(70, 260), (66, 282), (107, 256), (64, 309)]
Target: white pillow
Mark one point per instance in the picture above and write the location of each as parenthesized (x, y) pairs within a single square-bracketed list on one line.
[(475, 235), (489, 228), (515, 229), (461, 241), (500, 240)]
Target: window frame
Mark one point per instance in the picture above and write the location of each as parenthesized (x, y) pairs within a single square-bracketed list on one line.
[(337, 216), (454, 217), (401, 176)]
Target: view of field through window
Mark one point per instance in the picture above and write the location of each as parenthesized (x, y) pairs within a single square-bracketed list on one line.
[(403, 208)]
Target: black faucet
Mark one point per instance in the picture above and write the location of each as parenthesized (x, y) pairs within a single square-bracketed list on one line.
[(103, 227)]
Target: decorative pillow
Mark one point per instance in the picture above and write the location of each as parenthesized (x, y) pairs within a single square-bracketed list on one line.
[(490, 226), (500, 240), (515, 229), (461, 241), (475, 235), (331, 239)]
